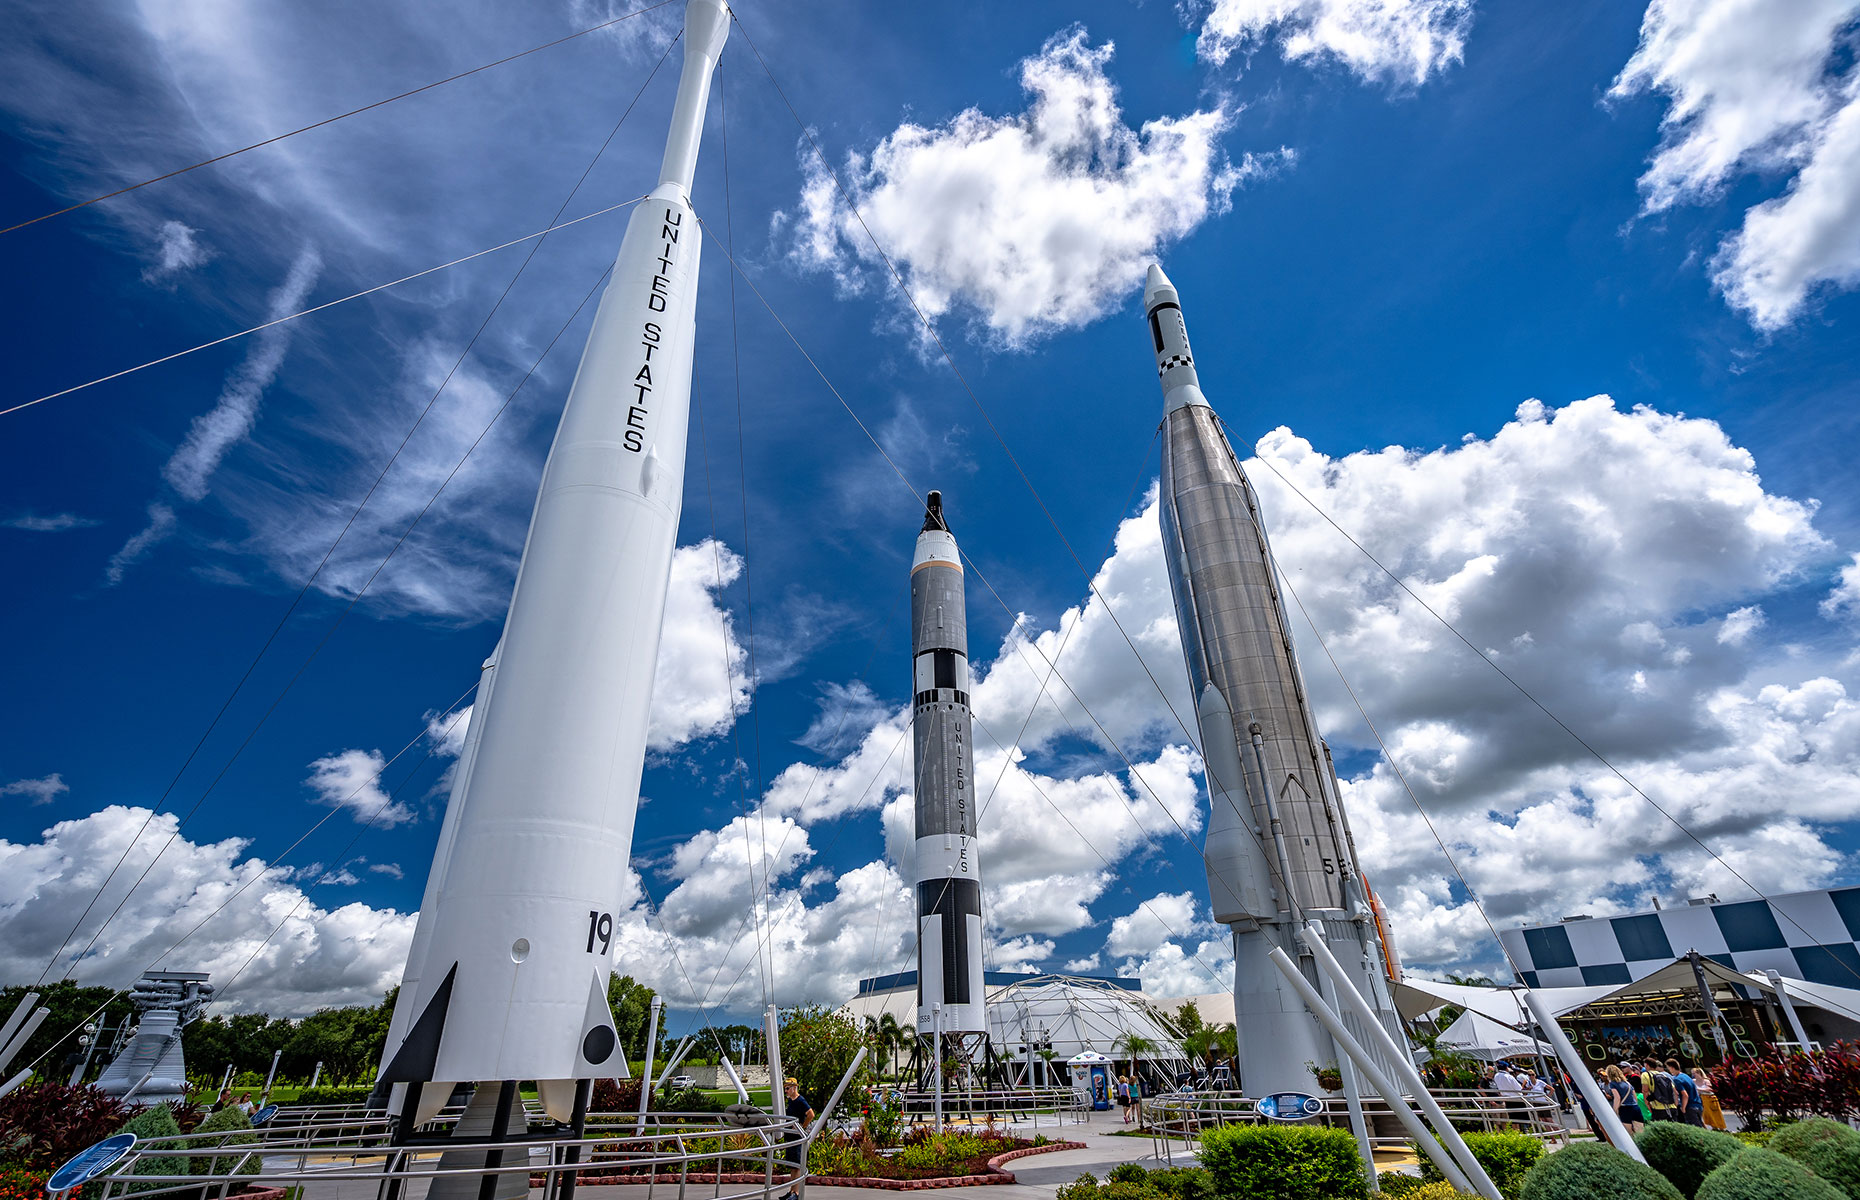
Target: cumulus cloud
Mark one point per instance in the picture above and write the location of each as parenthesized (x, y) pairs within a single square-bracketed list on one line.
[(702, 683), (1156, 920), (1844, 600), (391, 870), (43, 790), (1398, 41), (1749, 93), (307, 956), (175, 250), (351, 779), (49, 523), (1035, 222)]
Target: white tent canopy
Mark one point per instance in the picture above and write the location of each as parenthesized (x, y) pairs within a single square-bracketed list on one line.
[(1479, 1036)]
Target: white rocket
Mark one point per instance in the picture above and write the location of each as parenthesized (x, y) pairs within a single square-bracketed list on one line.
[(946, 866), (1279, 850), (507, 975)]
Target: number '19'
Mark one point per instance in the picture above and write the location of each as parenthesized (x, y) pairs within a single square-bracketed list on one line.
[(600, 925)]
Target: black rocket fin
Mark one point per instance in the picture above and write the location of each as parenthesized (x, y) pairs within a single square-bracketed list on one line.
[(418, 1055)]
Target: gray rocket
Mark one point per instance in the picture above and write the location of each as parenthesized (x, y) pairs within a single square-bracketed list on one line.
[(1279, 851), (945, 865)]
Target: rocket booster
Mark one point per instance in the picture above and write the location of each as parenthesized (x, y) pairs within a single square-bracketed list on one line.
[(1278, 848), (945, 865), (507, 975)]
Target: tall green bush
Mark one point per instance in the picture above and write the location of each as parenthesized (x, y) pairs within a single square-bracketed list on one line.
[(1828, 1148), (155, 1122), (1506, 1155), (1686, 1154), (228, 1127), (1594, 1172), (1759, 1174), (1283, 1162)]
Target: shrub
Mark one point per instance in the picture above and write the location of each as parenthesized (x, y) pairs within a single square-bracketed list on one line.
[(339, 1095), (226, 1127), (1758, 1174), (882, 1118), (1755, 1137), (1128, 1172), (1284, 1162), (1594, 1172), (1399, 1184), (1183, 1183), (1828, 1148), (1686, 1154), (155, 1122), (1440, 1190), (21, 1183), (44, 1125), (1506, 1155), (1085, 1187)]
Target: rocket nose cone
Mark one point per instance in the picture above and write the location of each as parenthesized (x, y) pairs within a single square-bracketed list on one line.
[(1156, 287)]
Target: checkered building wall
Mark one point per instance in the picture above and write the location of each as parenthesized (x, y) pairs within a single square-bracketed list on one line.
[(1805, 935)]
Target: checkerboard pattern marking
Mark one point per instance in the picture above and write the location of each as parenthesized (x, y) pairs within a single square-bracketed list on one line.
[(1804, 935), (1176, 360)]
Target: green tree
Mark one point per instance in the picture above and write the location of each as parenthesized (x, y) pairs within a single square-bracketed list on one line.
[(631, 1003), (71, 1006), (1188, 1020), (1134, 1046), (817, 1045)]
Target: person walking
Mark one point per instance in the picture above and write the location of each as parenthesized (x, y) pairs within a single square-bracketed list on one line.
[(1136, 1099), (1712, 1112), (1123, 1097), (1656, 1086), (1690, 1108), (1620, 1093), (802, 1110)]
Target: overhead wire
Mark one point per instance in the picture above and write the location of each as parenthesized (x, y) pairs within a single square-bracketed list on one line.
[(205, 162)]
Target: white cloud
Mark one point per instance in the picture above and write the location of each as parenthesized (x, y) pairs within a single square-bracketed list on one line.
[(1156, 920), (215, 432), (49, 523), (1401, 41), (43, 790), (1844, 600), (176, 250), (702, 682), (391, 870), (1749, 92), (1740, 623), (319, 956), (133, 551), (351, 779), (1037, 222), (1019, 954), (1079, 966)]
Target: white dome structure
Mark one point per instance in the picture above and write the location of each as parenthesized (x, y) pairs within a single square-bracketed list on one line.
[(1070, 1015)]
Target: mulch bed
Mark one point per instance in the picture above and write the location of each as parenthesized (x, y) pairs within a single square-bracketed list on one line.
[(994, 1175)]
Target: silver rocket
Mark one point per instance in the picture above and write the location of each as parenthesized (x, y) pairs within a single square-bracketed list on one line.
[(507, 975), (1279, 851), (945, 866)]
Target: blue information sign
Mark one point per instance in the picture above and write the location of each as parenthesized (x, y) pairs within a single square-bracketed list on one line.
[(1288, 1106), (91, 1163), (264, 1114)]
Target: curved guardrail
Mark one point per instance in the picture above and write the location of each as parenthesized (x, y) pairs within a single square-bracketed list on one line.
[(1176, 1120)]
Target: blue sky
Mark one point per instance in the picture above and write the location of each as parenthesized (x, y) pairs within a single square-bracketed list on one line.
[(1549, 306)]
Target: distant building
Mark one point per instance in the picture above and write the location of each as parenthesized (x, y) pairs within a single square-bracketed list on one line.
[(1814, 936)]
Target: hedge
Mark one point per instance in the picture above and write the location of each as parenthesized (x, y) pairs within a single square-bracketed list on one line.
[(1594, 1172), (1506, 1155), (1828, 1148), (1686, 1154), (1759, 1174), (225, 1128), (155, 1122), (1283, 1162)]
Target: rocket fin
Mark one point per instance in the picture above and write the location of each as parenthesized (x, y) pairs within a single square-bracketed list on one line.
[(418, 1055), (557, 1097), (598, 1038)]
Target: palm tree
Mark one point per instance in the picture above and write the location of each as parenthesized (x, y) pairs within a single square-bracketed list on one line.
[(1133, 1046), (890, 1037)]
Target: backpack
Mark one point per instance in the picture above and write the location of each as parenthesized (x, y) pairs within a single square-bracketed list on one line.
[(1661, 1094)]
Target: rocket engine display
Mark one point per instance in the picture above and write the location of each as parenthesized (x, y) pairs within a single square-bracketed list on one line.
[(507, 975), (945, 867), (1279, 850)]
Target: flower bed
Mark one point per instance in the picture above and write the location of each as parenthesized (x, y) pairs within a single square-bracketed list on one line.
[(970, 1172)]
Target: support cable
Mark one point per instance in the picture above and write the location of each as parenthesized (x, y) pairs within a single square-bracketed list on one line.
[(330, 120)]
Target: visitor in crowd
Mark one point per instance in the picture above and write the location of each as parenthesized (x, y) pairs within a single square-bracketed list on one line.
[(800, 1110), (1620, 1093), (224, 1100), (1123, 1096), (1690, 1108), (1712, 1113), (245, 1104), (1582, 1102), (1656, 1088), (1510, 1090), (1136, 1099)]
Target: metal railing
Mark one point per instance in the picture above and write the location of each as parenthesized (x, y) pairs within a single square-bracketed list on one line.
[(1177, 1120), (1057, 1104), (684, 1148)]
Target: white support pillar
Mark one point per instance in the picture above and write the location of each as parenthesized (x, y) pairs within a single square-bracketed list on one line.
[(1604, 1112)]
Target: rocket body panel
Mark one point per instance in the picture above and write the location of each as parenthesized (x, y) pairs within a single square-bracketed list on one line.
[(1278, 850), (945, 865)]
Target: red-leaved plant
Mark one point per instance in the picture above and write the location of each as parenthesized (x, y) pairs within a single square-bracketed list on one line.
[(44, 1124), (1825, 1084)]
